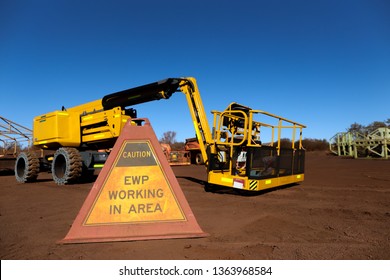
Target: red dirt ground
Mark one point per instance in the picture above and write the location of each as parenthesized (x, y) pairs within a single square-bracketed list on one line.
[(341, 211)]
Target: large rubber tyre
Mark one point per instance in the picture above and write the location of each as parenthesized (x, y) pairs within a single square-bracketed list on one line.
[(26, 167), (199, 159), (67, 166)]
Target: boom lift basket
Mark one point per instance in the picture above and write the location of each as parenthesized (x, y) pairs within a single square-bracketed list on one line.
[(241, 159)]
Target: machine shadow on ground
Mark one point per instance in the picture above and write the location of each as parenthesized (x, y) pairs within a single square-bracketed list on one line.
[(233, 191)]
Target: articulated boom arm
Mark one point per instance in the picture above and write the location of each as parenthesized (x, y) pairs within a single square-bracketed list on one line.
[(146, 93), (190, 88)]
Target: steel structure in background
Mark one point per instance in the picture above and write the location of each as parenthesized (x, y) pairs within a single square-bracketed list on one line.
[(341, 144), (13, 136), (376, 144)]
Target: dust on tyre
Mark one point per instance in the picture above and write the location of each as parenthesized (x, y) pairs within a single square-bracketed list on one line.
[(67, 166), (26, 167)]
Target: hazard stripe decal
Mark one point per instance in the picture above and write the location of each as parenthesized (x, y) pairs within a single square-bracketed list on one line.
[(253, 185)]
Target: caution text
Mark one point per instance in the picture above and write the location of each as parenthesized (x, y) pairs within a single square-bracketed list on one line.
[(137, 154)]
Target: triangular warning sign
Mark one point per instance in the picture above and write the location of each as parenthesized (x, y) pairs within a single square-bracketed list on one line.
[(136, 195)]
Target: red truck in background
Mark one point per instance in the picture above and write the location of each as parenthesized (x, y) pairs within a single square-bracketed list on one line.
[(192, 146)]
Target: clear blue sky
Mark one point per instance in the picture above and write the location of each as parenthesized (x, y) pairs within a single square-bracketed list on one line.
[(322, 63)]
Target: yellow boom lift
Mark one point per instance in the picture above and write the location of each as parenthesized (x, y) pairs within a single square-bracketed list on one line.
[(233, 153)]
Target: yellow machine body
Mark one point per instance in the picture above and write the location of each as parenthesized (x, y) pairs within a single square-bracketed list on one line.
[(86, 124), (233, 152), (244, 183)]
